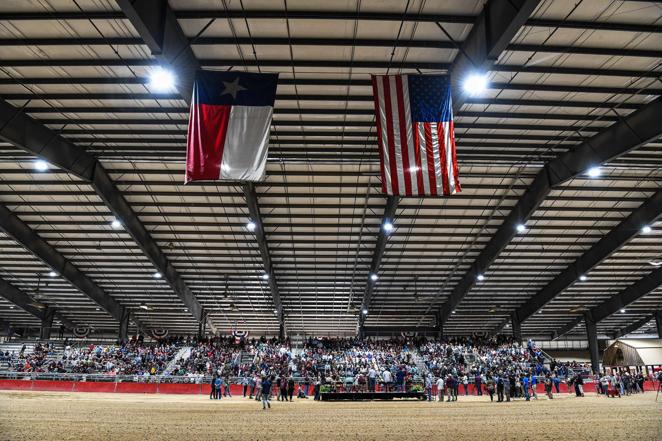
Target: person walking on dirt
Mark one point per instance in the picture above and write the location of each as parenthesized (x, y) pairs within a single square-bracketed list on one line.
[(290, 387)]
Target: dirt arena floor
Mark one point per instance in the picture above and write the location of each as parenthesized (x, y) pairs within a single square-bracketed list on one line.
[(72, 416)]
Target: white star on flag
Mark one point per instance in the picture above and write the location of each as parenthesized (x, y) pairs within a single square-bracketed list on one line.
[(232, 88)]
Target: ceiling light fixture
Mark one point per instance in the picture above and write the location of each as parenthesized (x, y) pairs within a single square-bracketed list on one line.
[(583, 277), (480, 277), (521, 228), (161, 80), (365, 312), (265, 276), (594, 172), (116, 224), (250, 226), (475, 84), (52, 274), (41, 165), (374, 277), (388, 227), (157, 275), (143, 306), (646, 229)]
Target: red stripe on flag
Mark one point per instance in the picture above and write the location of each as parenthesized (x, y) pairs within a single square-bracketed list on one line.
[(389, 133), (404, 143), (380, 141), (429, 152), (208, 127), (442, 157), (456, 173)]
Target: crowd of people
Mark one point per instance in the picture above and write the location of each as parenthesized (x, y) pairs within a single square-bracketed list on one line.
[(444, 369)]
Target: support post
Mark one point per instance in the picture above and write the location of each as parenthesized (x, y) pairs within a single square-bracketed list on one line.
[(658, 322), (46, 324), (517, 327), (123, 335), (281, 330), (592, 335), (440, 325)]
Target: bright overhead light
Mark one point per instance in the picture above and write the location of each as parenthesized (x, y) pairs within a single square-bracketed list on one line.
[(250, 226), (98, 309), (622, 311), (521, 228), (265, 276), (185, 309), (475, 84), (388, 227), (52, 274), (157, 275), (161, 80), (646, 229), (583, 278), (540, 312), (365, 312), (594, 172), (143, 306), (452, 312), (480, 277), (11, 307), (116, 224), (275, 311), (41, 165), (374, 277)]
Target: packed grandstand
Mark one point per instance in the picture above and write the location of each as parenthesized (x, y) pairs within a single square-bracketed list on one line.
[(342, 364)]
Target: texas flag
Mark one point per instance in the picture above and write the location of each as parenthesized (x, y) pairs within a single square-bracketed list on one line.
[(228, 128)]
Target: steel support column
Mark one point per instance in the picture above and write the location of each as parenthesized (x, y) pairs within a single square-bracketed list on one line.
[(658, 323), (123, 334), (46, 324), (517, 327), (592, 335)]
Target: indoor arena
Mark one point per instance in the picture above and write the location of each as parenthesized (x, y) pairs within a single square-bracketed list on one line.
[(334, 220)]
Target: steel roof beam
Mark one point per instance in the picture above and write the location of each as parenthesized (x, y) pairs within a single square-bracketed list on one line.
[(254, 212), (646, 214), (633, 327), (609, 307), (35, 138), (25, 302), (490, 35), (31, 241), (193, 14), (157, 26), (631, 132)]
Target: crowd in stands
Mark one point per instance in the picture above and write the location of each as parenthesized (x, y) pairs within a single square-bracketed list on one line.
[(498, 366), (130, 358)]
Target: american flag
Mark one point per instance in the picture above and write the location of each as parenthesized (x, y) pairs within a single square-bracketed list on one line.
[(414, 116)]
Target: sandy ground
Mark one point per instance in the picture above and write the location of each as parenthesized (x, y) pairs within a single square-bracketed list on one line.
[(69, 416)]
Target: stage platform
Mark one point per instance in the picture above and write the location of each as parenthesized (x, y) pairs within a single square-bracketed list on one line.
[(365, 396)]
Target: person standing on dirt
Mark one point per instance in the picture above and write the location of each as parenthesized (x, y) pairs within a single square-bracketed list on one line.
[(266, 391), (290, 387), (212, 391), (440, 388)]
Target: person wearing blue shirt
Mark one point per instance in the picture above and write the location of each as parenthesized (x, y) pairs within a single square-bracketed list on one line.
[(400, 380), (526, 384), (266, 392)]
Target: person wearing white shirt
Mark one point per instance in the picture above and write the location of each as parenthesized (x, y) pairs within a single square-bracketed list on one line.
[(372, 379), (388, 379), (440, 389)]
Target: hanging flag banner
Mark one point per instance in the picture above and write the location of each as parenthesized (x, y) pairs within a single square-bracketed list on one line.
[(228, 129), (414, 117)]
